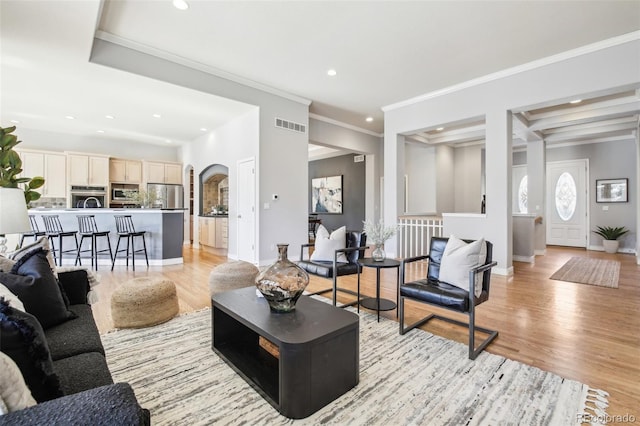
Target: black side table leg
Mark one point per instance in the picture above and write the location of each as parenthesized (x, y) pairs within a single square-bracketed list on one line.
[(378, 292)]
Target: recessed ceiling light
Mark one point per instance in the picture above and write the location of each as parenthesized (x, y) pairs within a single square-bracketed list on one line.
[(156, 116), (439, 129), (332, 73), (181, 4), (110, 117), (69, 117), (99, 131), (369, 119), (203, 129), (577, 101), (15, 121)]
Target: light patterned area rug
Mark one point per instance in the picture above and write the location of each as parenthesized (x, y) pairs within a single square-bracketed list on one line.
[(415, 379), (584, 270)]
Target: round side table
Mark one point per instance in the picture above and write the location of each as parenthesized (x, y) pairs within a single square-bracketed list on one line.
[(376, 303)]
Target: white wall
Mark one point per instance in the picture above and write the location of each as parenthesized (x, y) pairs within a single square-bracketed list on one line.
[(420, 166), (467, 179), (236, 140), (605, 68), (281, 158)]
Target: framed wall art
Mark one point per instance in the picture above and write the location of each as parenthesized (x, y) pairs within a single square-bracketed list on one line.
[(326, 195), (611, 190)]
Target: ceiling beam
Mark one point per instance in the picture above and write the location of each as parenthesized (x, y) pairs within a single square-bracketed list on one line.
[(589, 115)]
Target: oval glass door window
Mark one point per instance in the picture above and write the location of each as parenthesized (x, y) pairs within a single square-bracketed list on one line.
[(522, 195), (566, 195)]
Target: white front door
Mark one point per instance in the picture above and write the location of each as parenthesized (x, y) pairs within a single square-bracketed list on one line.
[(567, 200), (246, 211)]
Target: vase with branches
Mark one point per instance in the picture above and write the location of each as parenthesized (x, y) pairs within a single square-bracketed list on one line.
[(378, 233)]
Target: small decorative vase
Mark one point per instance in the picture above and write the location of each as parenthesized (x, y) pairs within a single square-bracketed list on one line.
[(282, 283), (378, 253)]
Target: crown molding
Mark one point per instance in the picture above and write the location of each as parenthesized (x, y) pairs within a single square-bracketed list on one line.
[(143, 48), (345, 125), (569, 54)]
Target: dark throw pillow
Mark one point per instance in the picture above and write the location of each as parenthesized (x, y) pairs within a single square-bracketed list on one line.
[(32, 280), (23, 340)]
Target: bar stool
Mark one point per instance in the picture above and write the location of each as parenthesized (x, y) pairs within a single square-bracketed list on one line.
[(53, 230), (35, 230), (125, 229), (87, 228)]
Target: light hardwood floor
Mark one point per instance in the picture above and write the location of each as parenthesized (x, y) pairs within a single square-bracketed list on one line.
[(580, 332)]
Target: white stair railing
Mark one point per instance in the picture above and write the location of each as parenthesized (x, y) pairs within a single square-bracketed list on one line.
[(415, 232)]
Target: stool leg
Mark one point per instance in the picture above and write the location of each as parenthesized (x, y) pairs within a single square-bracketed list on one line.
[(133, 252), (79, 250), (134, 266), (113, 258), (75, 238), (60, 252), (21, 240), (144, 245)]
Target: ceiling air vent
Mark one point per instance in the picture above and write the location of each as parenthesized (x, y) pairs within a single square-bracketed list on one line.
[(290, 125), (358, 158)]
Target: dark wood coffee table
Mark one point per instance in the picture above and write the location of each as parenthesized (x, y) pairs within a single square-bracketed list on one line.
[(298, 361)]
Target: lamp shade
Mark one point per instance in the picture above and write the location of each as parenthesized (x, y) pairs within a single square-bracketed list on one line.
[(13, 211)]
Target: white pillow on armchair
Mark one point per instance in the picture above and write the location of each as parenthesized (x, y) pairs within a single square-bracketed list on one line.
[(458, 258), (326, 245)]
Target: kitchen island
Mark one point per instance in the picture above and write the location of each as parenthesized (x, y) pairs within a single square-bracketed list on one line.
[(164, 231)]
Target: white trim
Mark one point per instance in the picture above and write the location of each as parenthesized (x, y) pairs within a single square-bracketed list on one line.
[(143, 48), (507, 272), (345, 125), (527, 259), (482, 215), (569, 54), (540, 252), (620, 250)]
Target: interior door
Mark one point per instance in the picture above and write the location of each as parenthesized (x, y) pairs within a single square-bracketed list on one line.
[(246, 192), (567, 203)]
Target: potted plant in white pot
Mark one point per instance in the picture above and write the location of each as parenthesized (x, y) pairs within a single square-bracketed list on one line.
[(610, 237), (11, 167)]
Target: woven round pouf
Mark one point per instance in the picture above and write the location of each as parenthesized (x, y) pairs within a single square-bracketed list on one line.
[(232, 275), (143, 302)]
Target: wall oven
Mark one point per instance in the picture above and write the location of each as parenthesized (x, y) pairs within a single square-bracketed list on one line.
[(88, 196)]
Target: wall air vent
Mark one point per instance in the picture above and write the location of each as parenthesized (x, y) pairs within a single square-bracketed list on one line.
[(290, 125), (358, 158)]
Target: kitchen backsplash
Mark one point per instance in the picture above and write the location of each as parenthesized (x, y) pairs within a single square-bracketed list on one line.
[(49, 202)]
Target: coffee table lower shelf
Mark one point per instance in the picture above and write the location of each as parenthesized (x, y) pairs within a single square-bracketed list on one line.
[(296, 377)]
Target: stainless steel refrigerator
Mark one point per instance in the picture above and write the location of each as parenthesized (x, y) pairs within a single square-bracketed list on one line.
[(168, 196)]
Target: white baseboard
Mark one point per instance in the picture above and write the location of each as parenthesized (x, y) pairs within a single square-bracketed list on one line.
[(540, 252), (527, 259), (507, 272), (620, 250)]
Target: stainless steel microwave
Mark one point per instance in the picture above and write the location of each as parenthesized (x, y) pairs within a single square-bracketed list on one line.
[(118, 191)]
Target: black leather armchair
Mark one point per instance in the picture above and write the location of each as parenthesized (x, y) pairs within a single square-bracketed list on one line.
[(356, 245), (437, 293)]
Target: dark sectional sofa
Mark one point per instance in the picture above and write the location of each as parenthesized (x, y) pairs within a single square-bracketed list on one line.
[(71, 383)]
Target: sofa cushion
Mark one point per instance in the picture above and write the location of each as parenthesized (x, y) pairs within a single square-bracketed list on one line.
[(32, 280), (23, 340), (458, 259), (43, 243), (107, 405), (82, 372), (436, 292), (14, 393), (11, 298), (75, 336), (325, 245)]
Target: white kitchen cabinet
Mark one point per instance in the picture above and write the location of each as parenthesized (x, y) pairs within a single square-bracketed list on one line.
[(163, 172), (88, 170), (51, 166), (125, 171)]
